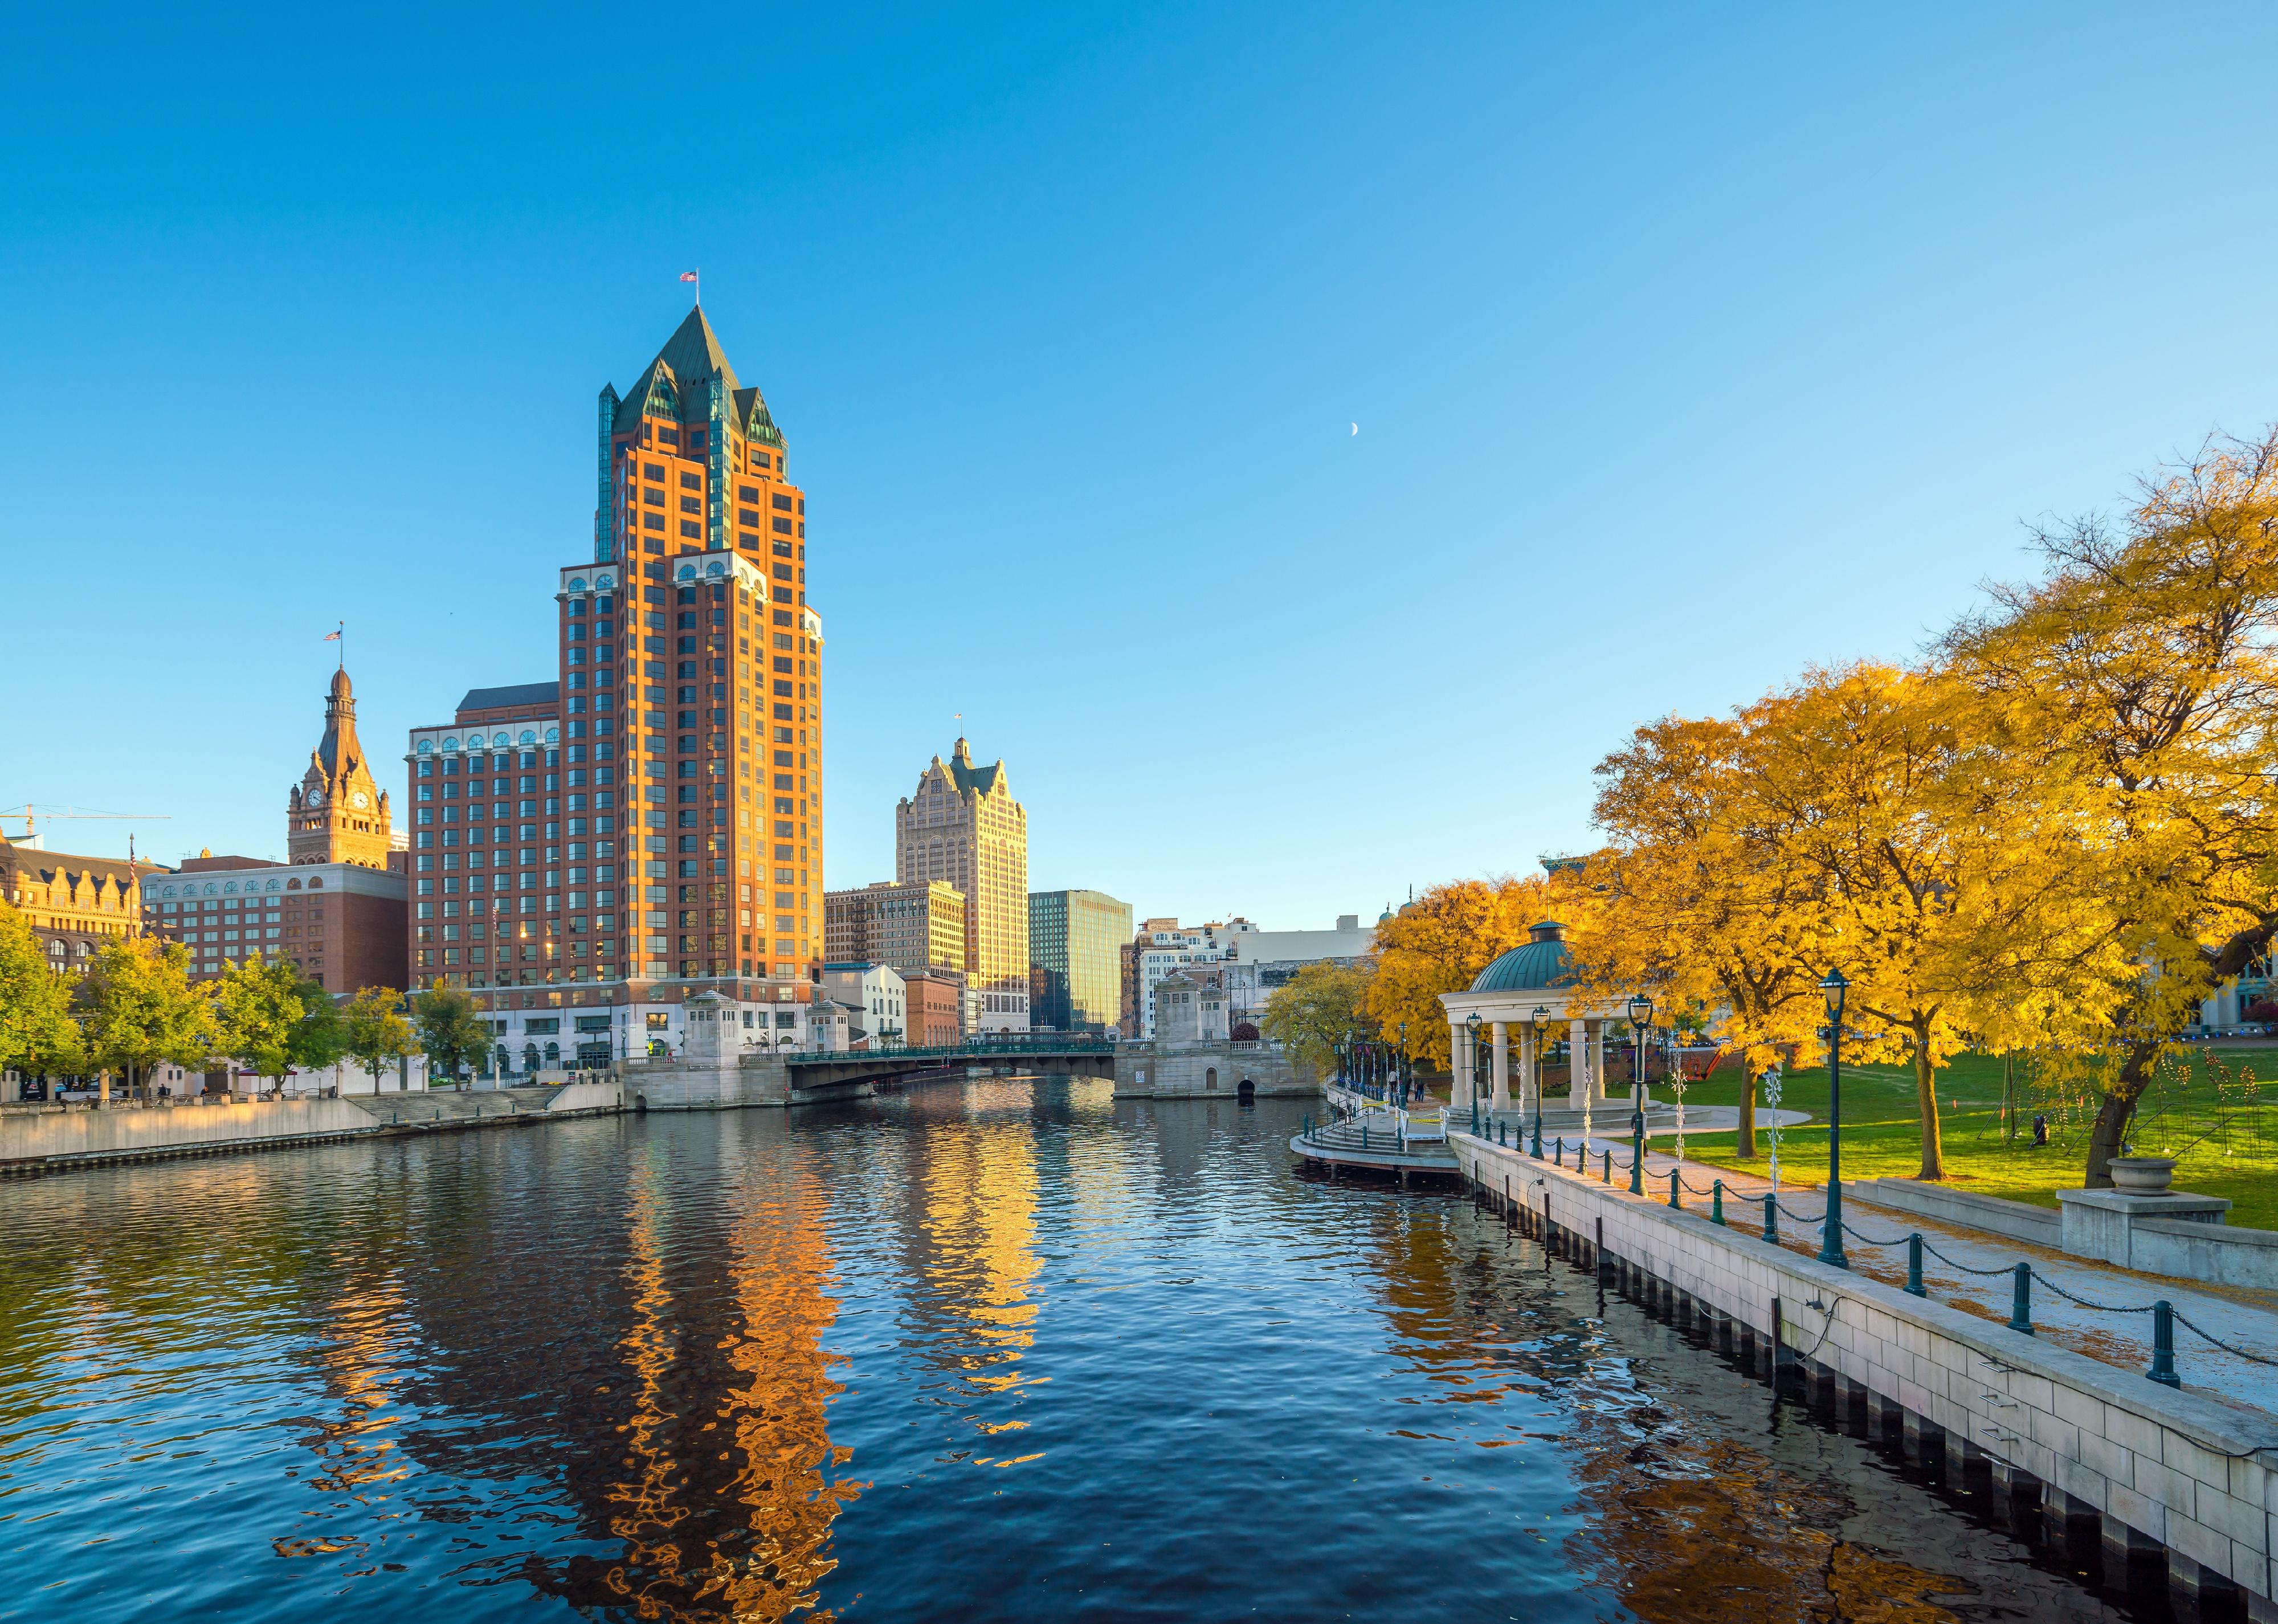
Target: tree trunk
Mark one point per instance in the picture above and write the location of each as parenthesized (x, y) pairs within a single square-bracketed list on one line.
[(1933, 1142), (1745, 1150), (2113, 1116)]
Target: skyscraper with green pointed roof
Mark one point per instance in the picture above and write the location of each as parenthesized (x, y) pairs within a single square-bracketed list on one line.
[(719, 711)]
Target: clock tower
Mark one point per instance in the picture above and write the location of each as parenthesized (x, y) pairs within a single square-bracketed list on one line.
[(338, 813)]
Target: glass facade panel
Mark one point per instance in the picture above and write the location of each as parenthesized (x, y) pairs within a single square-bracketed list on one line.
[(1076, 977)]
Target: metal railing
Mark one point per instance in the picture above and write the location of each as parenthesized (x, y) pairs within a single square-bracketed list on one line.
[(2021, 1274), (1008, 1046)]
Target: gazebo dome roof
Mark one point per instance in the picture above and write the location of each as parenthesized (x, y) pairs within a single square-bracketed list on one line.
[(1540, 963)]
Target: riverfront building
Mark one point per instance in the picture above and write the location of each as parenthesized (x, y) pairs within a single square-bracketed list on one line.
[(656, 810), (915, 927), (1074, 974), (962, 827), (1258, 962), (1163, 947), (337, 909), (73, 904)]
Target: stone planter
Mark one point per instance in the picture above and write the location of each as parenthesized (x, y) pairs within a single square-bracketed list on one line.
[(2143, 1174)]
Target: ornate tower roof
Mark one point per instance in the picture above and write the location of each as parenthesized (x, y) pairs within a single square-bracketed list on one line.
[(338, 813)]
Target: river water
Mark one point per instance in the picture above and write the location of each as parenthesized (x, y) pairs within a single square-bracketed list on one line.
[(1009, 1350)]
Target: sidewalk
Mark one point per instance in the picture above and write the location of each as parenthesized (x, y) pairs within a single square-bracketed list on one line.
[(2246, 1318)]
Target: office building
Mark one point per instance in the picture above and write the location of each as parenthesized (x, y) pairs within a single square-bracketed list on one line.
[(657, 808), (1075, 977), (1258, 962), (1163, 947), (935, 1002), (876, 999), (914, 926), (73, 904), (962, 827)]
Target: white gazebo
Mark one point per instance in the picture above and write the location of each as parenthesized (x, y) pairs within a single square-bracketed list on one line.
[(1529, 991)]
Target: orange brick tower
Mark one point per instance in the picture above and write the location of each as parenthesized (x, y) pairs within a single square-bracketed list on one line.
[(338, 813), (716, 678)]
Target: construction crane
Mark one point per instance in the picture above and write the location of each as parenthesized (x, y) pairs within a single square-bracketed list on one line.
[(33, 817)]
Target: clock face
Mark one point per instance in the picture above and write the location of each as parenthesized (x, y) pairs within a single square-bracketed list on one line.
[(359, 800), (316, 798)]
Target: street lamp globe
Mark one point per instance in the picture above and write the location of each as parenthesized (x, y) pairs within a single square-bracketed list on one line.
[(1833, 989)]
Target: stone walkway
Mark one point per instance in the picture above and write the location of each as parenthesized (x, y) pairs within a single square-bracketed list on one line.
[(2244, 1317)]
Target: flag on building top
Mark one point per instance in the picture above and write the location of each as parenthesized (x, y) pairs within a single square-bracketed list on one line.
[(688, 276)]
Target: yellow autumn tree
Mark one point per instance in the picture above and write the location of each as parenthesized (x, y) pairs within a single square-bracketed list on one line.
[(1439, 943), (1943, 884), (1694, 899), (2139, 673)]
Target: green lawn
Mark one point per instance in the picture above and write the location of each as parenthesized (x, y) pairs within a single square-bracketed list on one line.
[(2222, 1127)]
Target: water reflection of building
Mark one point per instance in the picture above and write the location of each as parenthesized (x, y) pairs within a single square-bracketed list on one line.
[(358, 1450), (1680, 1526), (723, 1498), (642, 1336), (978, 1220)]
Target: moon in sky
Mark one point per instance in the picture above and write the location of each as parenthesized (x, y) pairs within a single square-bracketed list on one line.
[(1356, 428)]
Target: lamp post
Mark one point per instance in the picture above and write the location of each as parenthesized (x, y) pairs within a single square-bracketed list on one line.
[(1830, 1238), (1541, 1015), (1641, 1018), (1472, 1037)]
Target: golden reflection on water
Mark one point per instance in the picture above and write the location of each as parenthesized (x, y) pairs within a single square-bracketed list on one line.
[(357, 1453), (978, 1220), (726, 1511), (1687, 1533), (1684, 1531)]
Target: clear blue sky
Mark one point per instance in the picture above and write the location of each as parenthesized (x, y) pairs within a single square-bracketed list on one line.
[(1688, 346)]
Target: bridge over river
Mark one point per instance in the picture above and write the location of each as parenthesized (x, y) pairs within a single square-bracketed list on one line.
[(714, 1072)]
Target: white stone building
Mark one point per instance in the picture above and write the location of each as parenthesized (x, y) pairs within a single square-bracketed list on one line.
[(875, 996)]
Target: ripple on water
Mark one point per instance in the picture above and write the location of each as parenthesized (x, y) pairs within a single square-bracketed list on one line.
[(1009, 1349)]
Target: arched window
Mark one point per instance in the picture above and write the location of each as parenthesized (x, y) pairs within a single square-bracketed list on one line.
[(553, 1055), (1210, 1077), (528, 736), (529, 1057)]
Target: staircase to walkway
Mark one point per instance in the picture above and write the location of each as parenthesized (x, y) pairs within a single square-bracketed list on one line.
[(464, 1107)]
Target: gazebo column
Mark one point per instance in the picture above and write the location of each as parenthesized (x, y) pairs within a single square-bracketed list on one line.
[(1459, 1068), (1598, 1058), (1578, 1063), (1530, 1065), (1502, 1065)]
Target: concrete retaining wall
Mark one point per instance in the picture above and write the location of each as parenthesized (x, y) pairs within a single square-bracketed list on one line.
[(2205, 1251), (2162, 1469), (2043, 1226), (34, 1133), (2189, 1251)]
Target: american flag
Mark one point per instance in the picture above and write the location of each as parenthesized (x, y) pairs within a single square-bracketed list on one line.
[(688, 276)]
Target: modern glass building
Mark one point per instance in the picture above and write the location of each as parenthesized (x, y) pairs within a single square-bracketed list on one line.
[(1075, 969)]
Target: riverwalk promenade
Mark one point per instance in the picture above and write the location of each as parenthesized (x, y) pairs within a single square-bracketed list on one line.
[(2063, 1407), (2094, 1309)]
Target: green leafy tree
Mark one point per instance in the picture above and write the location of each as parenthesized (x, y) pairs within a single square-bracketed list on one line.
[(451, 1032), (137, 1009), (256, 1008), (374, 1032), (319, 1038), (37, 1033), (1316, 1010)]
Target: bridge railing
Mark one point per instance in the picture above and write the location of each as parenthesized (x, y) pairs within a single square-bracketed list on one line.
[(1009, 1047)]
